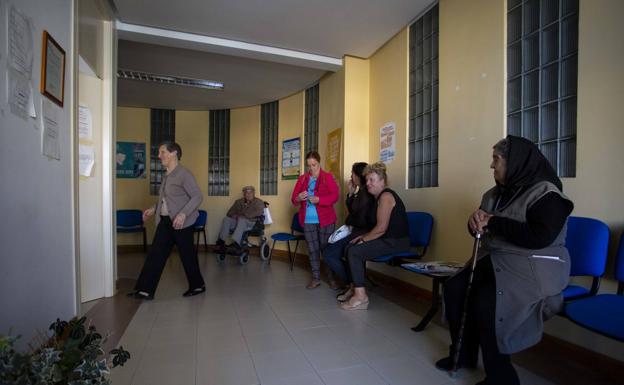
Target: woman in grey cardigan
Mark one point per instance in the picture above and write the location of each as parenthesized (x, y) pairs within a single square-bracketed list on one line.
[(523, 265), (176, 211)]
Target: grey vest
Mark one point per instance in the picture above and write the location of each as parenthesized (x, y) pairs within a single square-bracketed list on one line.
[(529, 282)]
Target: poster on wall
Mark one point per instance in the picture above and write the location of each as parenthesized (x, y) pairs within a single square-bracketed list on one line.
[(130, 160), (333, 153), (291, 158), (387, 142)]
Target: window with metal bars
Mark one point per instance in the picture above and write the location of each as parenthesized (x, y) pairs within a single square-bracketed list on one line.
[(219, 153), (423, 101), (268, 148), (311, 130), (542, 55), (162, 128)]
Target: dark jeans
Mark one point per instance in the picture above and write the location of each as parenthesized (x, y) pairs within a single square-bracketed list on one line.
[(164, 239), (334, 260), (357, 255), (480, 327)]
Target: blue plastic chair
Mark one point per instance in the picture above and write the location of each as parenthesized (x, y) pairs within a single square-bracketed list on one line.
[(420, 228), (603, 313), (587, 241), (131, 221), (296, 234), (200, 228)]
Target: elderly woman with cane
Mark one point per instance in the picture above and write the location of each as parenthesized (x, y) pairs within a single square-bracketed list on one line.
[(521, 267)]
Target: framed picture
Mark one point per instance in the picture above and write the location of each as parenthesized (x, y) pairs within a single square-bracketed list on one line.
[(52, 69)]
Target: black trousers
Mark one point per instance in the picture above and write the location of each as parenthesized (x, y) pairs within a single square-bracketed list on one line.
[(358, 254), (164, 239), (479, 330)]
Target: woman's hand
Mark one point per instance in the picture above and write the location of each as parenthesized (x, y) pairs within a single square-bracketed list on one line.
[(302, 196), (478, 221), (350, 187), (178, 222), (357, 240), (148, 213), (314, 199)]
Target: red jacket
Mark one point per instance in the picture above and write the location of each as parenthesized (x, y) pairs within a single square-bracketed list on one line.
[(327, 191)]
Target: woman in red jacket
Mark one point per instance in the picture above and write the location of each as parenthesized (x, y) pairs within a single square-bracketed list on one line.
[(315, 193)]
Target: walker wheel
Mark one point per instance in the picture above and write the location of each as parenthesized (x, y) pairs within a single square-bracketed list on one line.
[(220, 258), (244, 257)]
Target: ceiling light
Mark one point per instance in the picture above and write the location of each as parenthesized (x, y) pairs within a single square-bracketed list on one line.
[(169, 79)]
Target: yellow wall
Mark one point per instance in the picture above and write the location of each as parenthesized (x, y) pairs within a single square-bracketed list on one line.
[(472, 118), (356, 114), (133, 125), (192, 135)]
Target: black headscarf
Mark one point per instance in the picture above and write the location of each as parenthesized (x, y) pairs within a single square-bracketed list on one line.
[(526, 166)]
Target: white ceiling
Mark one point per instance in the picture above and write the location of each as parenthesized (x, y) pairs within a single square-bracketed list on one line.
[(293, 43)]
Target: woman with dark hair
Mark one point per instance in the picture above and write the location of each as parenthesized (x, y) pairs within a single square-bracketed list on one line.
[(176, 211), (522, 265), (360, 218), (389, 235), (316, 193)]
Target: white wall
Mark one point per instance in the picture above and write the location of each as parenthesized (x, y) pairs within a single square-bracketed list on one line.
[(37, 261)]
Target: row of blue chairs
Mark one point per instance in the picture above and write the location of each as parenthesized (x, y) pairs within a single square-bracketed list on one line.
[(131, 221), (587, 241)]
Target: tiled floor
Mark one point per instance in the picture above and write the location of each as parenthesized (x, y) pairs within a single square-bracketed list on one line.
[(257, 324)]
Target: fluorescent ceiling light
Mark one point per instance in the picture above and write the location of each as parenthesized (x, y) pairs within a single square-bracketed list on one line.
[(169, 79)]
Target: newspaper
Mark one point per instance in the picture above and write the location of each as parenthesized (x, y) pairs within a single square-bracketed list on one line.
[(434, 267)]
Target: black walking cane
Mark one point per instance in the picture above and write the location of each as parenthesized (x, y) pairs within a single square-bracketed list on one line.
[(462, 325)]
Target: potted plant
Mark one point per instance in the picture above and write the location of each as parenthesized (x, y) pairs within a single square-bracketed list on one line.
[(72, 356)]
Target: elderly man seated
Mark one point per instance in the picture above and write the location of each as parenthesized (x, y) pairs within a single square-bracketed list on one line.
[(240, 217)]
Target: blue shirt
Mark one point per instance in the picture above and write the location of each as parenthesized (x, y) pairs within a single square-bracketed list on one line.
[(311, 214)]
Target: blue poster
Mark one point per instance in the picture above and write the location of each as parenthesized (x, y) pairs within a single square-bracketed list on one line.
[(130, 160)]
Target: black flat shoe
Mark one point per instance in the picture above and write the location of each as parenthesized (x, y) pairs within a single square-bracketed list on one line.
[(446, 364), (140, 295), (192, 292)]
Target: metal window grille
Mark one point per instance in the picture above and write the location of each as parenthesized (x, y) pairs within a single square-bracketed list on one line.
[(423, 101), (311, 129), (162, 128), (268, 148), (542, 55), (219, 153)]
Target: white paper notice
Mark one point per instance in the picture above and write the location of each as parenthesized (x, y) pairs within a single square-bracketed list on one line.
[(20, 43), (20, 94), (86, 159), (51, 133), (85, 123), (387, 143)]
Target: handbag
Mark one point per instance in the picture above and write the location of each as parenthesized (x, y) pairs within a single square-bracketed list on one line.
[(267, 216), (340, 233)]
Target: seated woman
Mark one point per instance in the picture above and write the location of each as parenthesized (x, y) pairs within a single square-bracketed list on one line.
[(361, 218), (390, 235), (522, 265)]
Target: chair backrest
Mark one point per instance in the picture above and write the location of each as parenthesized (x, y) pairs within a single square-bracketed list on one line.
[(619, 266), (201, 219), (295, 226), (420, 228), (129, 218), (587, 241)]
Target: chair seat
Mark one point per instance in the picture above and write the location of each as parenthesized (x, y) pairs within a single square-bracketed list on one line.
[(573, 291), (603, 313), (287, 237), (129, 229), (389, 257)]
